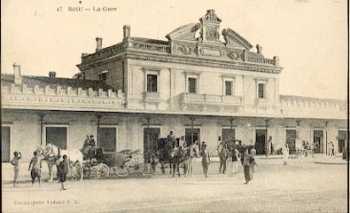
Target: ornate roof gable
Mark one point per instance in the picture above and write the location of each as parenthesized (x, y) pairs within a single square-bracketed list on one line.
[(233, 39), (185, 32)]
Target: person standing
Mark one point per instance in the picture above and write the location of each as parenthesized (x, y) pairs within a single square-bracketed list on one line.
[(171, 139), (285, 151), (35, 167), (191, 154), (252, 163), (234, 159), (246, 165), (268, 146), (222, 153), (15, 163), (63, 171), (205, 159)]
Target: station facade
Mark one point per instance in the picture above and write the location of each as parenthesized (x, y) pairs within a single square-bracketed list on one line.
[(200, 83)]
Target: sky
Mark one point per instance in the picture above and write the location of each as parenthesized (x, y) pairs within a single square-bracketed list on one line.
[(309, 36)]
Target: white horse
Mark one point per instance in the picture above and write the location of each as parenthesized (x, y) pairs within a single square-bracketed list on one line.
[(52, 155)]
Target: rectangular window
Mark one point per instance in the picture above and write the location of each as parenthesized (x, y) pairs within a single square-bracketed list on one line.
[(152, 83), (192, 85), (102, 76), (5, 144), (228, 88), (57, 136), (261, 90), (107, 138)]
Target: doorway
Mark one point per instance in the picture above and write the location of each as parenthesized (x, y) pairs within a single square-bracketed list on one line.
[(341, 140), (260, 141), (318, 141), (5, 144), (228, 135), (291, 135), (196, 135), (150, 142)]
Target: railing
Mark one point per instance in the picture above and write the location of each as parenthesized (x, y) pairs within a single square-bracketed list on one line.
[(256, 58), (149, 46), (188, 98), (305, 106), (58, 97)]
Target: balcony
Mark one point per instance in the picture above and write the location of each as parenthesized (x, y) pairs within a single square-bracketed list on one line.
[(206, 99), (151, 97)]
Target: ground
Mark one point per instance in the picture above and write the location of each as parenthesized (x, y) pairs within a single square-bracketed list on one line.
[(300, 186)]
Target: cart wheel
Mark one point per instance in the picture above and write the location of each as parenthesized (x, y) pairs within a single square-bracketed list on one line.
[(121, 172), (102, 170)]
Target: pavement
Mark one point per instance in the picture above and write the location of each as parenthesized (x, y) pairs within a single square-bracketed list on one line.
[(299, 186)]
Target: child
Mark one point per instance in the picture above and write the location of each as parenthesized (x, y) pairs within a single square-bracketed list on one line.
[(62, 171), (35, 167), (15, 164)]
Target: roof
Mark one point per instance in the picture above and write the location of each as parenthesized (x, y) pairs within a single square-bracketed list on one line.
[(43, 81)]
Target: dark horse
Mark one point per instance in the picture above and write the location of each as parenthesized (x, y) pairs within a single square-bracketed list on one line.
[(170, 154)]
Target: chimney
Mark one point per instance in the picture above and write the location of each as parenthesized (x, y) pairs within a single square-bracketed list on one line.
[(258, 49), (126, 31), (52, 74), (98, 44), (17, 73)]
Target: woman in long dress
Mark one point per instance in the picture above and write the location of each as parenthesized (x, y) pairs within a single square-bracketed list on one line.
[(285, 151)]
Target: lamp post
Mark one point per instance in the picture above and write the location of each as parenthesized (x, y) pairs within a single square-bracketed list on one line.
[(192, 128), (148, 155)]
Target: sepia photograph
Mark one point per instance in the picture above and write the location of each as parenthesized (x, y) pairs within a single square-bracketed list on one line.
[(168, 106)]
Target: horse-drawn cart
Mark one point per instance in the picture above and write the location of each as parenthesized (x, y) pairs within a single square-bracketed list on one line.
[(121, 164)]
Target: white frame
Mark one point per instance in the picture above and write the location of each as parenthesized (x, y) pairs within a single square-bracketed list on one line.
[(11, 149), (264, 82), (192, 75), (156, 72), (116, 135), (55, 125), (232, 80)]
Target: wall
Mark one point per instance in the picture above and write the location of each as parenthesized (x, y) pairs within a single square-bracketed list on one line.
[(25, 128)]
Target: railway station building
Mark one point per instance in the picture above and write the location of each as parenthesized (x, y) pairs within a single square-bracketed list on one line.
[(202, 82)]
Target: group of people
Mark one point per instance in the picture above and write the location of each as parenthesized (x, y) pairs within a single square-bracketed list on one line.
[(233, 152), (35, 166)]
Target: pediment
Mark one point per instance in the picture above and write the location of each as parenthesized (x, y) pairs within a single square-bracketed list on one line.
[(185, 32), (233, 39)]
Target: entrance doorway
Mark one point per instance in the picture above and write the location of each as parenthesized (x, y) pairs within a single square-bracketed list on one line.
[(291, 135), (150, 142), (342, 139), (57, 135), (196, 136), (107, 139), (5, 144), (318, 141), (260, 141), (228, 135)]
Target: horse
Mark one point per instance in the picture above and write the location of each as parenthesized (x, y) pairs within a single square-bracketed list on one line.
[(52, 155)]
